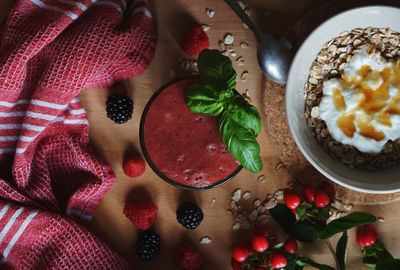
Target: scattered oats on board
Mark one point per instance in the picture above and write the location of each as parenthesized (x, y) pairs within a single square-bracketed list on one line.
[(256, 203), (261, 209), (210, 12), (234, 205), (213, 202), (279, 194), (229, 211), (172, 73), (236, 226), (240, 60), (205, 27), (245, 26), (280, 166), (221, 45), (261, 179), (205, 240), (347, 207), (246, 195), (225, 52), (237, 194), (244, 76), (253, 215), (270, 203), (381, 219), (228, 39), (233, 54), (244, 44)]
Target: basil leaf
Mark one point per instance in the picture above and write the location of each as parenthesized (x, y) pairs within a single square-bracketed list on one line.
[(244, 114), (347, 222), (388, 264), (341, 250), (303, 231), (241, 143), (216, 68), (202, 99), (324, 212), (303, 261)]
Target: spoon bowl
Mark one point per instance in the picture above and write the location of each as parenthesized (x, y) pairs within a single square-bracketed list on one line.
[(274, 54)]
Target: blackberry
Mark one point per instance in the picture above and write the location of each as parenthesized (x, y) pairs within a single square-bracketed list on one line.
[(189, 215), (147, 245), (119, 108)]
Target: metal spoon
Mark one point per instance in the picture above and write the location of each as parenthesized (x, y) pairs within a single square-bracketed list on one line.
[(274, 54)]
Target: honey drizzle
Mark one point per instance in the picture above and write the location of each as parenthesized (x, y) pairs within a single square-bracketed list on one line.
[(373, 102)]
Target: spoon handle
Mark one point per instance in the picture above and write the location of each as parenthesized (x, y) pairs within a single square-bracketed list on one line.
[(242, 15)]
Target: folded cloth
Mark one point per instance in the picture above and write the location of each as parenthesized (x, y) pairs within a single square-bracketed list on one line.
[(50, 183)]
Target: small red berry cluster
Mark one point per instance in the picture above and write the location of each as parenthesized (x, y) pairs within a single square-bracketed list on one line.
[(366, 235), (314, 199), (259, 254)]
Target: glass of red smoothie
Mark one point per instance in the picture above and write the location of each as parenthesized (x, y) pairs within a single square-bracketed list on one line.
[(184, 148)]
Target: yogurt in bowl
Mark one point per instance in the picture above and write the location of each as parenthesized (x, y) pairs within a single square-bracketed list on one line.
[(314, 145)]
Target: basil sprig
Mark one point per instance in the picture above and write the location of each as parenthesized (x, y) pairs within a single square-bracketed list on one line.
[(240, 122)]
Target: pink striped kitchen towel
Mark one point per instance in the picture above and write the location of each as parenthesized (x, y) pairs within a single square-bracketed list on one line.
[(50, 183)]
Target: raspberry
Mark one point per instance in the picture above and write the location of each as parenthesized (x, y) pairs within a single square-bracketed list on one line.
[(188, 258), (278, 260), (240, 252), (321, 198), (142, 214), (119, 108), (366, 235), (308, 192), (292, 199), (259, 243), (147, 245), (189, 215), (290, 245), (195, 41), (134, 166)]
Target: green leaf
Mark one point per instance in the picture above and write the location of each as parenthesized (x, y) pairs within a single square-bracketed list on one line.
[(388, 264), (291, 261), (303, 231), (324, 213), (347, 222), (341, 250), (301, 211), (241, 143), (375, 253), (244, 114), (202, 99), (303, 261), (216, 68)]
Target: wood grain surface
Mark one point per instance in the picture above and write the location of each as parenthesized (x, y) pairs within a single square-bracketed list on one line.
[(112, 141)]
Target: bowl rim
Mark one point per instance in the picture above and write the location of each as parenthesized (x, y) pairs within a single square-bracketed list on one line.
[(147, 156), (288, 108)]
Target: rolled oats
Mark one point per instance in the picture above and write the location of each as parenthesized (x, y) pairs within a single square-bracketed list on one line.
[(330, 63)]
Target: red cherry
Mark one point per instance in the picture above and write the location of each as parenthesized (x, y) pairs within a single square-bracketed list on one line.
[(236, 265), (366, 235), (259, 243), (329, 188), (321, 198), (260, 230), (290, 245), (240, 252), (308, 192), (292, 199), (278, 260)]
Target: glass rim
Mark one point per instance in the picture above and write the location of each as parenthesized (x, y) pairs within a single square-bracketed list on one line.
[(149, 160)]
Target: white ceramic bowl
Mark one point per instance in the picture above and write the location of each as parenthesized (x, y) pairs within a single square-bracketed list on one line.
[(381, 181)]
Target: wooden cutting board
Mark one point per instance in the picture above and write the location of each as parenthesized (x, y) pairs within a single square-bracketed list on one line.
[(274, 107)]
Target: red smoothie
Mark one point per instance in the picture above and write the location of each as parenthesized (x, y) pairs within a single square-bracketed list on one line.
[(182, 146)]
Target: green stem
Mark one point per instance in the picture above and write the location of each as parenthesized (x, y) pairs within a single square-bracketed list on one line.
[(333, 253)]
